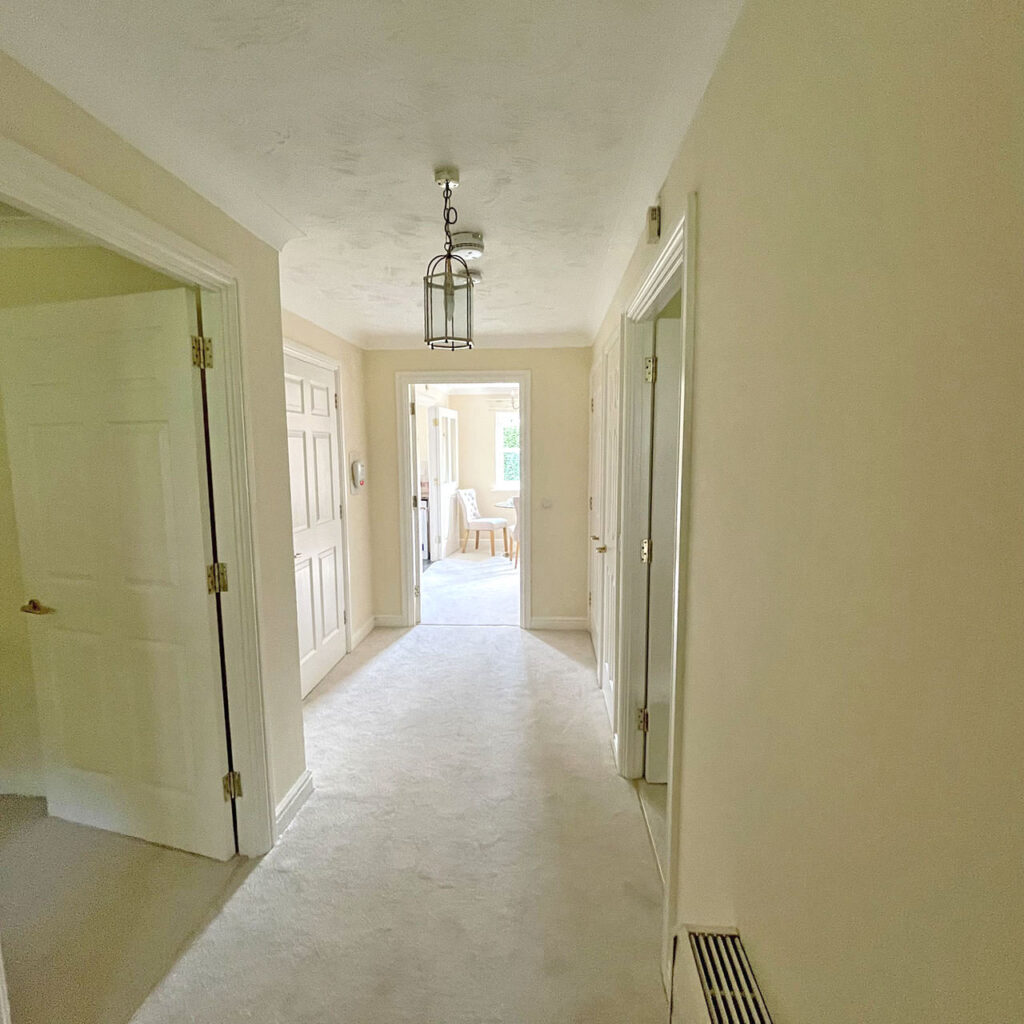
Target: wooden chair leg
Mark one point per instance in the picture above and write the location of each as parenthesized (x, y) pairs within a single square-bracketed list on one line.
[(465, 541), (477, 532), (490, 533), (507, 550), (516, 546)]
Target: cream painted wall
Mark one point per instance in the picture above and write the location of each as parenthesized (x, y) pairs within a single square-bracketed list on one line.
[(353, 412), (854, 710), (476, 451), (32, 276), (29, 276), (559, 380), (39, 118)]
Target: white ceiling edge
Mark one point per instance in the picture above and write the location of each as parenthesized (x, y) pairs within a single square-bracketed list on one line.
[(254, 214)]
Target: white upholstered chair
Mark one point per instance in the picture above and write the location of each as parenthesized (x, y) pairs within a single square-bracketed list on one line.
[(477, 523)]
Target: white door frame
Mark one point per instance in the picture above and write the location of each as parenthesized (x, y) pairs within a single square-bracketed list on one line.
[(51, 193), (407, 485), (673, 270), (310, 355)]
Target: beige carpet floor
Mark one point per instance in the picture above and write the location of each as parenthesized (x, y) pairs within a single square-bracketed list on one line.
[(471, 589), (91, 921), (469, 855)]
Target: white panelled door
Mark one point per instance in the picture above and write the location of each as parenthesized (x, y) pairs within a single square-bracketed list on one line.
[(596, 511), (105, 435), (444, 468), (316, 516), (666, 431), (610, 529)]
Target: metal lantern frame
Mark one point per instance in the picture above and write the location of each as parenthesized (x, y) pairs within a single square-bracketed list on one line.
[(448, 282)]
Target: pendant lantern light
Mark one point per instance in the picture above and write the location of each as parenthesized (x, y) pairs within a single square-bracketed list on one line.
[(447, 284)]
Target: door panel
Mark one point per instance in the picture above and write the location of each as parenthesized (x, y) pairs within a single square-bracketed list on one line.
[(108, 471), (330, 621), (661, 617), (316, 517)]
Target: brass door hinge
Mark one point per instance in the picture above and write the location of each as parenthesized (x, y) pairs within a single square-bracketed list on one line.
[(217, 578), (645, 550), (416, 591), (232, 785), (202, 352), (643, 720), (650, 369)]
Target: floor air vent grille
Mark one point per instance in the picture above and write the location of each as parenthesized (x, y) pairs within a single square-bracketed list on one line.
[(730, 987)]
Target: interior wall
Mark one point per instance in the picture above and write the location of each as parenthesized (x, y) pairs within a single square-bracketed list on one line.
[(37, 117), (477, 451), (427, 397), (353, 414), (853, 705), (559, 383), (31, 276)]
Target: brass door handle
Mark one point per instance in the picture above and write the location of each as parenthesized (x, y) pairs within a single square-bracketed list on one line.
[(594, 536), (602, 549), (35, 608)]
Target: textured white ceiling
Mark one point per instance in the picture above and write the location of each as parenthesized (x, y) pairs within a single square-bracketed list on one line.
[(322, 120)]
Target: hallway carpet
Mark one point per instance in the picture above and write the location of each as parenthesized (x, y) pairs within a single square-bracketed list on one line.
[(92, 920), (471, 589), (469, 855)]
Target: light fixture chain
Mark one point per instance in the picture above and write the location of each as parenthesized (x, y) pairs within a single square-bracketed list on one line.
[(451, 216)]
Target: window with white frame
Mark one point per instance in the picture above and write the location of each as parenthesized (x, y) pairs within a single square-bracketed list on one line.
[(506, 450)]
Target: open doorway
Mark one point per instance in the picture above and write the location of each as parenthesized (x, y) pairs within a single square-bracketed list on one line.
[(650, 487), (466, 466), (117, 836)]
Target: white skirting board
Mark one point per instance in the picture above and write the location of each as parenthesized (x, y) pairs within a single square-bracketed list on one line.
[(390, 621), (359, 635), (286, 810), (558, 622)]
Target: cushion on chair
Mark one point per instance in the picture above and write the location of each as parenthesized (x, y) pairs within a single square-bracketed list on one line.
[(487, 524)]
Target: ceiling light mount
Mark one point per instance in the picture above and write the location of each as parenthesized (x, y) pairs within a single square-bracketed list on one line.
[(446, 176), (447, 284)]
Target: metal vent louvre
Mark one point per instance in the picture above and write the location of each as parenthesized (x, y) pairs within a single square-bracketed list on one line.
[(730, 988)]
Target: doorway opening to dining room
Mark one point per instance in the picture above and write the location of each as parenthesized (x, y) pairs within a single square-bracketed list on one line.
[(465, 461)]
